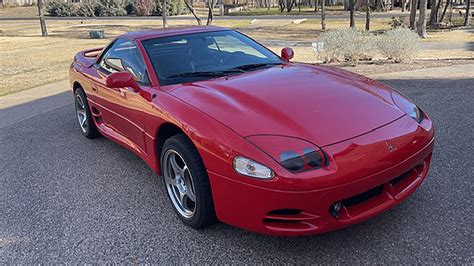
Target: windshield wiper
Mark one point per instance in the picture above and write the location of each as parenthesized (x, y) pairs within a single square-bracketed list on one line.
[(254, 66), (206, 73)]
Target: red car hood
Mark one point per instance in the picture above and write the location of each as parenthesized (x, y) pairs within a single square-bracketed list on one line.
[(319, 104)]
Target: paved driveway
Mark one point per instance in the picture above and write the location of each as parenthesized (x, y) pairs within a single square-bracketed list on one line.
[(64, 198)]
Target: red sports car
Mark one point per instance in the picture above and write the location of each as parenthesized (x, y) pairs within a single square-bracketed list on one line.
[(244, 136)]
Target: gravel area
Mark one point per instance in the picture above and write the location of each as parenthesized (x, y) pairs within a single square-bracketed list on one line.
[(380, 67)]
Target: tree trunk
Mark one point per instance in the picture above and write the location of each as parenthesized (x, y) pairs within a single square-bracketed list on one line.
[(438, 7), (467, 17), (323, 14), (367, 16), (164, 13), (422, 19), (281, 4), (191, 9), (351, 13), (450, 17), (210, 15), (44, 30), (414, 5), (402, 4), (434, 12), (448, 2), (289, 5)]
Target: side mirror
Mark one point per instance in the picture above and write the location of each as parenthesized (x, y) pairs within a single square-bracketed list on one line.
[(287, 54), (122, 80)]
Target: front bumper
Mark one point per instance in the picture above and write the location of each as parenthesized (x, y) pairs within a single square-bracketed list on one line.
[(306, 212)]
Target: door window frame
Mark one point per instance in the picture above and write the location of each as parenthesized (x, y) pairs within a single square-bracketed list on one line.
[(99, 67)]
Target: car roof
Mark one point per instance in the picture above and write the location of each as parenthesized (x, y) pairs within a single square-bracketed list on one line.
[(166, 32)]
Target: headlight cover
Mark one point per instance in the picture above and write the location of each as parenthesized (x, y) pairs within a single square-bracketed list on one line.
[(407, 106), (251, 168), (294, 154)]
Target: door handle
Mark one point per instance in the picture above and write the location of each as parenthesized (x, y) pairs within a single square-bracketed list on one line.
[(94, 88)]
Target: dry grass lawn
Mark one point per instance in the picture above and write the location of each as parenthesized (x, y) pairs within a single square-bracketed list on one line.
[(28, 60), (18, 12), (276, 11), (450, 36)]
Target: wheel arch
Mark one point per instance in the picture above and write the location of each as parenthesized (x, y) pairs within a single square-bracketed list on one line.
[(76, 85), (164, 132)]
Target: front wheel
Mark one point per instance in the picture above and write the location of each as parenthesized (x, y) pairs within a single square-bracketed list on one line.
[(186, 182)]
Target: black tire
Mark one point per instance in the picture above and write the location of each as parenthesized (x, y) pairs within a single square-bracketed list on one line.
[(204, 213), (89, 130)]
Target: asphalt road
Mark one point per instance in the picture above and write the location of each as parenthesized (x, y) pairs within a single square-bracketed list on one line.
[(64, 198)]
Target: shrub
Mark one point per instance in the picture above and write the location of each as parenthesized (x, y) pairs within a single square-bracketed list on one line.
[(175, 7), (101, 8), (59, 9), (107, 8), (85, 10), (346, 45), (143, 7), (397, 23), (129, 7), (399, 44)]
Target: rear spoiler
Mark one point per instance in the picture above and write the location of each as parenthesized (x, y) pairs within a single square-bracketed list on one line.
[(87, 58)]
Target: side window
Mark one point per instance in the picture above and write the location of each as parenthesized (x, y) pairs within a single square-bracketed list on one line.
[(124, 55)]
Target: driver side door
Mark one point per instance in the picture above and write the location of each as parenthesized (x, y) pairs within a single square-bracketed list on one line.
[(122, 108)]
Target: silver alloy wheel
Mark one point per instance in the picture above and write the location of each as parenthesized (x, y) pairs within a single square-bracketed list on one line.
[(81, 112), (179, 183)]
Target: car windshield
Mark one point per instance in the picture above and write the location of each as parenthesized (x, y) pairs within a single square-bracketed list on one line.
[(201, 56)]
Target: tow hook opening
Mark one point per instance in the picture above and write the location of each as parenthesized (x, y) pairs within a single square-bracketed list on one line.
[(335, 208)]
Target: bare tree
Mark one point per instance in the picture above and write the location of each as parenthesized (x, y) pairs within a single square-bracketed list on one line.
[(422, 19), (351, 13), (210, 15), (44, 30), (281, 4), (164, 13), (434, 12), (467, 17), (191, 9), (289, 5), (413, 7), (448, 3), (323, 14), (438, 7), (367, 16)]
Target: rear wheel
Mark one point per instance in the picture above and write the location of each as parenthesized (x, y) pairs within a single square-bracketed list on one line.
[(84, 116), (186, 182)]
